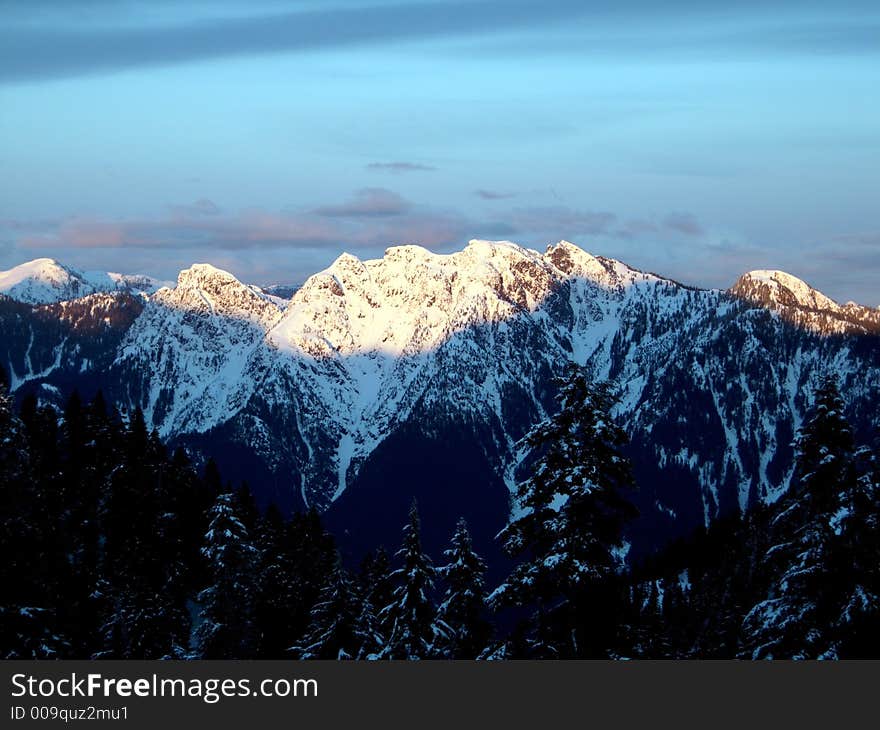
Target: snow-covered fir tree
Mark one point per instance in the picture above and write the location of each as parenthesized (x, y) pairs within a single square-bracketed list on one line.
[(568, 532), (333, 631), (462, 612), (276, 590), (376, 591), (411, 615), (226, 627), (857, 623), (375, 578), (810, 585), (368, 629), (27, 623), (144, 624)]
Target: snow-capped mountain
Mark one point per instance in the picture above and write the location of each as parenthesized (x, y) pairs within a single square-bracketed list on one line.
[(417, 374), (798, 302), (43, 281)]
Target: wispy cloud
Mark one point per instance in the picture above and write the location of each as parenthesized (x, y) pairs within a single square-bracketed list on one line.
[(367, 203), (857, 254), (849, 269), (299, 241), (200, 207), (33, 51), (28, 225), (400, 167), (493, 195), (684, 223), (95, 36), (566, 222), (634, 228), (249, 229), (372, 217)]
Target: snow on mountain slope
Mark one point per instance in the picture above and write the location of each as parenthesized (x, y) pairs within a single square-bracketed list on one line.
[(473, 337), (784, 288), (803, 305), (712, 384), (193, 346), (43, 281), (360, 347), (136, 282), (73, 339)]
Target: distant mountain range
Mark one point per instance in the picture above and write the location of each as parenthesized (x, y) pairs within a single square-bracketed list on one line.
[(417, 374), (44, 281)]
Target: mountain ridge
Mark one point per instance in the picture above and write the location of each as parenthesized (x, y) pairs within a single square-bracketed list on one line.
[(46, 281), (371, 359), (773, 288)]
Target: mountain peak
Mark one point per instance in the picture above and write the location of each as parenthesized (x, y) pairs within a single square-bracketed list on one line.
[(42, 268), (40, 263), (197, 274), (800, 303), (406, 251), (480, 244), (346, 269), (205, 288), (571, 259), (774, 287), (44, 280), (346, 260)]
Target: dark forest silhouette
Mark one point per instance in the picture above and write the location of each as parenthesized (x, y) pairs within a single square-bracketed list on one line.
[(115, 548)]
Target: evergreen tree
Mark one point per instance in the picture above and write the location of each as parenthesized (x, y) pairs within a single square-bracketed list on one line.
[(794, 620), (28, 622), (12, 449), (312, 559), (247, 507), (278, 608), (144, 587), (569, 530), (376, 585), (226, 627), (144, 624), (674, 615), (212, 478), (367, 628), (642, 635), (376, 590), (516, 645), (462, 611), (333, 631), (413, 630), (857, 624)]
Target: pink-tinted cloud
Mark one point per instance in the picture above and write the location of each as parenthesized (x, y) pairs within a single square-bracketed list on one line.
[(241, 231), (370, 220), (374, 216)]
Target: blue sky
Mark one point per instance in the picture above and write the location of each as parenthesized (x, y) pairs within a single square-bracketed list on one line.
[(267, 136)]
